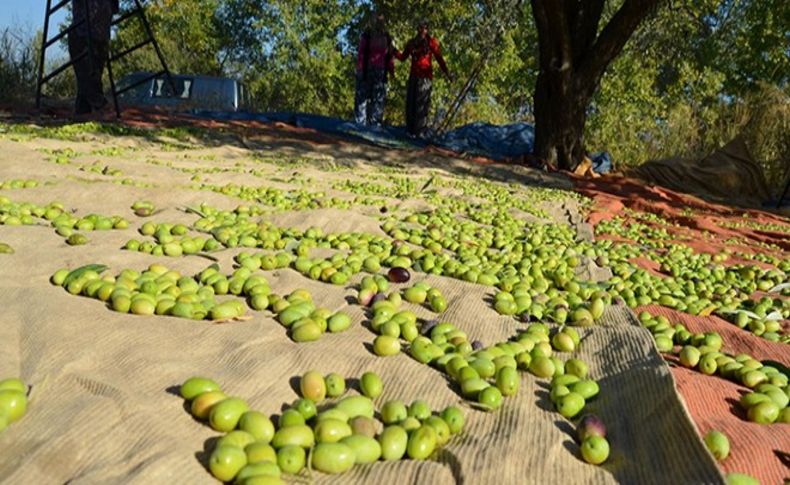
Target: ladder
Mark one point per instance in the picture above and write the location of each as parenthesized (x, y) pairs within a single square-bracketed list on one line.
[(138, 11)]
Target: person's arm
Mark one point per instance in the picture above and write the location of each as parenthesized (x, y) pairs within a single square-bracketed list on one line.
[(402, 56), (391, 62), (363, 45), (437, 52)]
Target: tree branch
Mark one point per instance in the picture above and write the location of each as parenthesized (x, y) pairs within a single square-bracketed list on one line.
[(544, 29), (613, 38), (584, 17), (554, 37)]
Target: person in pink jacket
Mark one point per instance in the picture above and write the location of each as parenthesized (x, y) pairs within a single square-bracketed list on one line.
[(375, 59)]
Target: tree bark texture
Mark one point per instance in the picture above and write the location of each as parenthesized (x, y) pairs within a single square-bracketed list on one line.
[(574, 53)]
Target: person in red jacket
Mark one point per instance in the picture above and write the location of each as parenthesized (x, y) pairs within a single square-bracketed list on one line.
[(422, 49)]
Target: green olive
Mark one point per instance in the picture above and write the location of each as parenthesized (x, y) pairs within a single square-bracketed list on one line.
[(291, 417), (335, 385), (76, 240), (454, 419), (239, 439), (570, 404), (354, 406), (491, 397), (260, 451), (415, 295), (13, 384), (194, 386), (225, 415), (441, 428), (366, 449), (331, 431), (226, 462), (260, 469), (542, 367), (59, 277), (291, 459), (393, 412), (588, 389), (419, 409), (422, 443), (299, 435), (309, 332), (313, 386), (577, 368), (332, 458), (13, 404), (508, 381), (339, 322), (306, 408), (394, 441), (371, 385), (385, 345)]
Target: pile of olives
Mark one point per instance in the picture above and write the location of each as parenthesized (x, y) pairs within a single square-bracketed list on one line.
[(305, 322), (161, 291), (64, 222), (487, 374), (331, 438), (422, 293), (766, 404), (143, 208), (18, 184), (754, 317), (171, 240), (278, 199), (264, 261), (484, 375), (370, 287)]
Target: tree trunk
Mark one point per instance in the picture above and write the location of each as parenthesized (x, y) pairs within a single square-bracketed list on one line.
[(560, 115), (573, 58)]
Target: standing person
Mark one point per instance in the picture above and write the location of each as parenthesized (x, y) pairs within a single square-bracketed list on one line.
[(422, 49), (93, 44), (375, 60)]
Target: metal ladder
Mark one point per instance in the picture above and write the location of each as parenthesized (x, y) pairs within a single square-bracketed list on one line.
[(138, 11)]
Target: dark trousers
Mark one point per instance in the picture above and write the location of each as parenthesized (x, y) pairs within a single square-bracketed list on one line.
[(88, 71), (418, 104), (371, 94)]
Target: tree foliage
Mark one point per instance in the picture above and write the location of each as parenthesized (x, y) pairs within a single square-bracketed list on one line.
[(691, 76), (695, 75), (188, 32)]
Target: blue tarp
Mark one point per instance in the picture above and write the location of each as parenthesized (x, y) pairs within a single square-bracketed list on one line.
[(493, 141), (601, 162), (497, 142)]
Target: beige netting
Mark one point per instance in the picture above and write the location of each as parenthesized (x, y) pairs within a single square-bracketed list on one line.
[(103, 407)]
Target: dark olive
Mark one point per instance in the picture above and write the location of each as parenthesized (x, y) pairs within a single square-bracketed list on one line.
[(399, 275)]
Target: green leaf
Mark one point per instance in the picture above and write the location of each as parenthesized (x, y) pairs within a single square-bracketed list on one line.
[(427, 184), (75, 274)]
